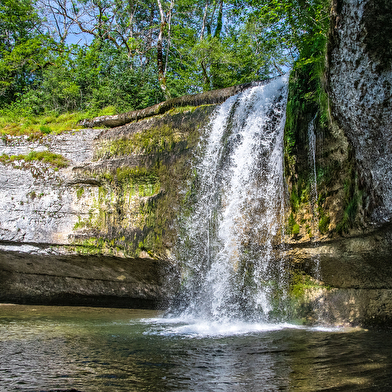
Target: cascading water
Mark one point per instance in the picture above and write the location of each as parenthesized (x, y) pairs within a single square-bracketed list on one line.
[(313, 193), (312, 163), (232, 227)]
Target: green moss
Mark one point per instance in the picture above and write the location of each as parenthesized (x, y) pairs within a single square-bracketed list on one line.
[(295, 230), (134, 208), (323, 223), (150, 141), (79, 192), (308, 101), (38, 126), (182, 109), (45, 129), (167, 132), (102, 246), (353, 199), (119, 211), (290, 224), (294, 199), (55, 160), (301, 282)]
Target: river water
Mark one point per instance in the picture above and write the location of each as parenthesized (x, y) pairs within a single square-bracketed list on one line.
[(92, 349)]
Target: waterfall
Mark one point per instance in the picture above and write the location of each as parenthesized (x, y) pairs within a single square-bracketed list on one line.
[(313, 193), (312, 163), (231, 227)]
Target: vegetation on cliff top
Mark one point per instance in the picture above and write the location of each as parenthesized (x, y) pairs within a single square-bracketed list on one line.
[(133, 55)]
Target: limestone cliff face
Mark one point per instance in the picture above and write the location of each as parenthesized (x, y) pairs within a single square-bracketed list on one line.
[(343, 239), (360, 84), (37, 202), (99, 231)]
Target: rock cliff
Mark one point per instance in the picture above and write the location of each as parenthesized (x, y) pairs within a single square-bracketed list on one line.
[(340, 188), (98, 229), (92, 232), (360, 84)]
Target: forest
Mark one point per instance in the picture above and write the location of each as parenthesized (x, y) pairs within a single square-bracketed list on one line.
[(82, 58)]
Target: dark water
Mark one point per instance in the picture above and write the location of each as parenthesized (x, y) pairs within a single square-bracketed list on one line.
[(85, 349)]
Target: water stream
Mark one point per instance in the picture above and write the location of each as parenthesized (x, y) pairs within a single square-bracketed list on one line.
[(314, 195), (232, 269), (49, 349)]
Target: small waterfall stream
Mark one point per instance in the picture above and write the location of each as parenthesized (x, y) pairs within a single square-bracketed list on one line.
[(232, 226), (312, 163), (313, 193)]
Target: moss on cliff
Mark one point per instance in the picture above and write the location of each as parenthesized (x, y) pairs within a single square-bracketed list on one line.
[(303, 295), (50, 158), (134, 207), (151, 141), (340, 202)]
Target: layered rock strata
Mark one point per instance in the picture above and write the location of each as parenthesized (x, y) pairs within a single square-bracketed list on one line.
[(98, 232)]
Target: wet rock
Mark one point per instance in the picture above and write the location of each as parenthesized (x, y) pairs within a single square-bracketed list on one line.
[(360, 83), (81, 280)]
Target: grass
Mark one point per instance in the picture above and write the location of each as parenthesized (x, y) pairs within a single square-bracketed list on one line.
[(55, 160), (39, 125), (15, 123)]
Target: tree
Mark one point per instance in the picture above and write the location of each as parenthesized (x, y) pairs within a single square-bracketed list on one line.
[(139, 52), (23, 48), (165, 25)]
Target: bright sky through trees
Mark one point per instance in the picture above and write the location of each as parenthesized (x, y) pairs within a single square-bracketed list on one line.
[(70, 55)]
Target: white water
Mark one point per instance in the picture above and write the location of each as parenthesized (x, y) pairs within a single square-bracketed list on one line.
[(312, 163), (230, 233), (314, 195), (205, 328)]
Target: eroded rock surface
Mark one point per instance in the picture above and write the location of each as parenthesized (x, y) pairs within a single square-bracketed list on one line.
[(360, 82), (99, 231), (340, 244), (81, 280)]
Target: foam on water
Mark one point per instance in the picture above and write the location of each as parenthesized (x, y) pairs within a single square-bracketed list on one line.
[(201, 328)]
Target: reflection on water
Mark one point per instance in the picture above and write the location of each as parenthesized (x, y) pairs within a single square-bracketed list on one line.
[(87, 349)]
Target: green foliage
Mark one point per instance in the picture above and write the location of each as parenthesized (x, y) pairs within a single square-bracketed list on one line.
[(45, 129), (301, 283), (23, 49), (308, 100), (306, 90), (55, 160), (324, 223), (14, 122), (295, 230), (205, 46)]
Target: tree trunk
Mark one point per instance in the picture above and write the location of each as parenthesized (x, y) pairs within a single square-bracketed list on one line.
[(160, 62)]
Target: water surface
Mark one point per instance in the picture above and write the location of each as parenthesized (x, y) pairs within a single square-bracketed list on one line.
[(91, 349)]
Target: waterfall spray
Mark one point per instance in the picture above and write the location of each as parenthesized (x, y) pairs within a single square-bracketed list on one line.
[(232, 225)]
